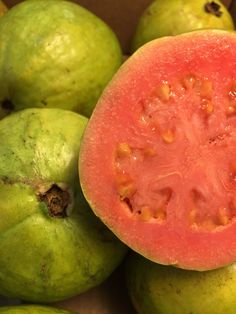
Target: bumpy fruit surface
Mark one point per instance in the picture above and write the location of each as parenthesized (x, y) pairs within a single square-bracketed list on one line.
[(162, 289), (52, 246), (54, 54), (32, 309), (162, 144), (172, 17)]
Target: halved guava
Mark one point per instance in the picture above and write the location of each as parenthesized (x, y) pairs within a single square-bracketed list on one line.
[(32, 309), (52, 246), (173, 17), (158, 158), (155, 288)]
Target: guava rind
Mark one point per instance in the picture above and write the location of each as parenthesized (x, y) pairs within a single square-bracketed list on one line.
[(45, 258), (64, 62), (155, 288), (32, 309), (167, 18)]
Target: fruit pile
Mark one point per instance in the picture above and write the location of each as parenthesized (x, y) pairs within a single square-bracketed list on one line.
[(105, 164)]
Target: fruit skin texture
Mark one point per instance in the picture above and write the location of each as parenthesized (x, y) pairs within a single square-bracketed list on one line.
[(3, 8), (64, 62), (32, 309), (122, 114), (173, 17), (44, 257), (162, 289)]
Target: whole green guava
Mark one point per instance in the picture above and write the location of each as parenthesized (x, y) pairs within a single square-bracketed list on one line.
[(173, 17), (52, 246), (155, 288), (32, 309), (55, 54)]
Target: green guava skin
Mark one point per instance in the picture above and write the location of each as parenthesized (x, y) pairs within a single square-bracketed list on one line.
[(155, 288), (55, 54), (32, 309), (173, 17), (43, 257)]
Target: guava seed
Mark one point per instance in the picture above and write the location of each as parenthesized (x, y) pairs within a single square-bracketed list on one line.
[(57, 201), (168, 136), (207, 106), (189, 82), (123, 150), (163, 92), (206, 89)]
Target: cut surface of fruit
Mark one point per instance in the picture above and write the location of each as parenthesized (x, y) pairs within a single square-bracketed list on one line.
[(158, 161)]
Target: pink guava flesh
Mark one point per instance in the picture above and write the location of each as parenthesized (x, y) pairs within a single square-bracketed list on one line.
[(158, 157)]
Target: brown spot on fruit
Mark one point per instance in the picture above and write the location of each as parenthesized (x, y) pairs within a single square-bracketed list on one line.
[(57, 201), (213, 8)]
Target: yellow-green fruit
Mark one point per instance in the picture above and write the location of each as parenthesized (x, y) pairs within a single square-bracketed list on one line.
[(3, 8), (155, 288), (32, 309), (55, 54), (52, 246), (172, 17)]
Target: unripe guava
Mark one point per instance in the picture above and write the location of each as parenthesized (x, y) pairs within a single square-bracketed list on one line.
[(155, 288), (52, 247), (32, 309), (55, 54), (172, 17)]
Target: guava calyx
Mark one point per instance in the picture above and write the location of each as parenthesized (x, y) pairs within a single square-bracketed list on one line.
[(57, 201), (213, 8), (7, 105)]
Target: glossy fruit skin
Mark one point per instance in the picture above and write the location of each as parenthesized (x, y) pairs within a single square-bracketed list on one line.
[(167, 18), (155, 288), (32, 309), (43, 257), (64, 62)]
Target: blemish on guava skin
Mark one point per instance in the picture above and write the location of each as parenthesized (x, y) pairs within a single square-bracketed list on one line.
[(7, 105), (57, 201), (213, 8)]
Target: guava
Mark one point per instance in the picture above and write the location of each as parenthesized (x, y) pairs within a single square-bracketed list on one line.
[(32, 309), (52, 246), (3, 8), (157, 159), (167, 18), (55, 54), (162, 289)]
